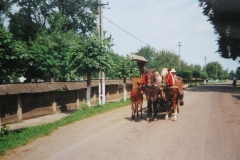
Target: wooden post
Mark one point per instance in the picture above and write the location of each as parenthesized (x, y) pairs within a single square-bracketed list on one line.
[(118, 90), (19, 108), (124, 90), (94, 94), (54, 106), (78, 100), (107, 90)]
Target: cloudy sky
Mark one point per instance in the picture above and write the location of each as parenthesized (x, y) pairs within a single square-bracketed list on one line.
[(162, 24)]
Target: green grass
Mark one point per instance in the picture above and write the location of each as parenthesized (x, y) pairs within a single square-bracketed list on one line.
[(22, 136), (194, 84), (198, 84)]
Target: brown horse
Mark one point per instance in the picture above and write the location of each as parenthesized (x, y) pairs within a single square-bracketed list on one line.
[(151, 92), (173, 92), (137, 100)]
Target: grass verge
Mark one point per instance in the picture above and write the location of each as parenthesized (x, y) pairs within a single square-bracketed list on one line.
[(22, 136)]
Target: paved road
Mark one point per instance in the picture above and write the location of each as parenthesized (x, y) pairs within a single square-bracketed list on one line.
[(207, 128)]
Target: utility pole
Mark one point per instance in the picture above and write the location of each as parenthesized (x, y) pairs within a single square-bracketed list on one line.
[(205, 63), (216, 70), (179, 45), (227, 73), (101, 85)]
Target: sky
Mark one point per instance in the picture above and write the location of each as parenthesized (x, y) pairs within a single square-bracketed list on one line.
[(161, 24)]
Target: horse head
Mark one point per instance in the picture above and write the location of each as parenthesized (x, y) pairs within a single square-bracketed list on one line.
[(165, 73), (150, 77)]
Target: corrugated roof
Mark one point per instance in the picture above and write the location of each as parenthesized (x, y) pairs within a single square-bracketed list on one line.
[(51, 86), (3, 90)]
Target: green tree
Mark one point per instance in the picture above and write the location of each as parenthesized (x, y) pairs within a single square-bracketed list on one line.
[(203, 75), (147, 52), (224, 15), (160, 59), (126, 68), (13, 55), (196, 73), (31, 16), (186, 74), (231, 74), (166, 59), (51, 54), (4, 9), (195, 67), (110, 73), (214, 70), (90, 55)]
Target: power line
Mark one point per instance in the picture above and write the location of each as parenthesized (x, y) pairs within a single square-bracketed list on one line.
[(137, 11), (127, 32), (147, 16), (144, 15)]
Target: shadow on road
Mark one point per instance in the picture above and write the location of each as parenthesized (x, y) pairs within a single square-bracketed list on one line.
[(235, 96), (160, 115)]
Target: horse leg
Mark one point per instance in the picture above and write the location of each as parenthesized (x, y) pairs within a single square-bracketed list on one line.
[(170, 109), (133, 111), (181, 95), (175, 114), (137, 109), (141, 110), (167, 109), (155, 110), (178, 103), (175, 105), (178, 110), (152, 107), (149, 110)]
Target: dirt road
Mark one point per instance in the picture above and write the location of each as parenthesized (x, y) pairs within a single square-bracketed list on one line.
[(207, 128)]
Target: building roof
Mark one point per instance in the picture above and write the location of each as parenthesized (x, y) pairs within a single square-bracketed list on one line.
[(9, 89), (138, 58)]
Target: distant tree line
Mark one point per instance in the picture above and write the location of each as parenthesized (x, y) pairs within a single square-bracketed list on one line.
[(169, 59)]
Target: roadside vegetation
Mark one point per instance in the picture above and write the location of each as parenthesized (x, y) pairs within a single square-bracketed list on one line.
[(12, 139), (56, 41)]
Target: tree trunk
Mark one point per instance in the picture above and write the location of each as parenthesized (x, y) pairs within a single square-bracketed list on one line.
[(88, 96), (124, 90)]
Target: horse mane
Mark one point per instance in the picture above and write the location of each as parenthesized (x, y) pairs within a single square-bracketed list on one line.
[(164, 72)]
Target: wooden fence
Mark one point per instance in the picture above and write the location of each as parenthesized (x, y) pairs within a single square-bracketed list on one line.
[(27, 100)]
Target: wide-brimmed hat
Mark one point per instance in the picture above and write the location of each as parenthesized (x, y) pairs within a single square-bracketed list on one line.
[(173, 70)]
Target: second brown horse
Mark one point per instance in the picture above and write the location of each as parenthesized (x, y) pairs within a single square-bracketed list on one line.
[(151, 92)]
